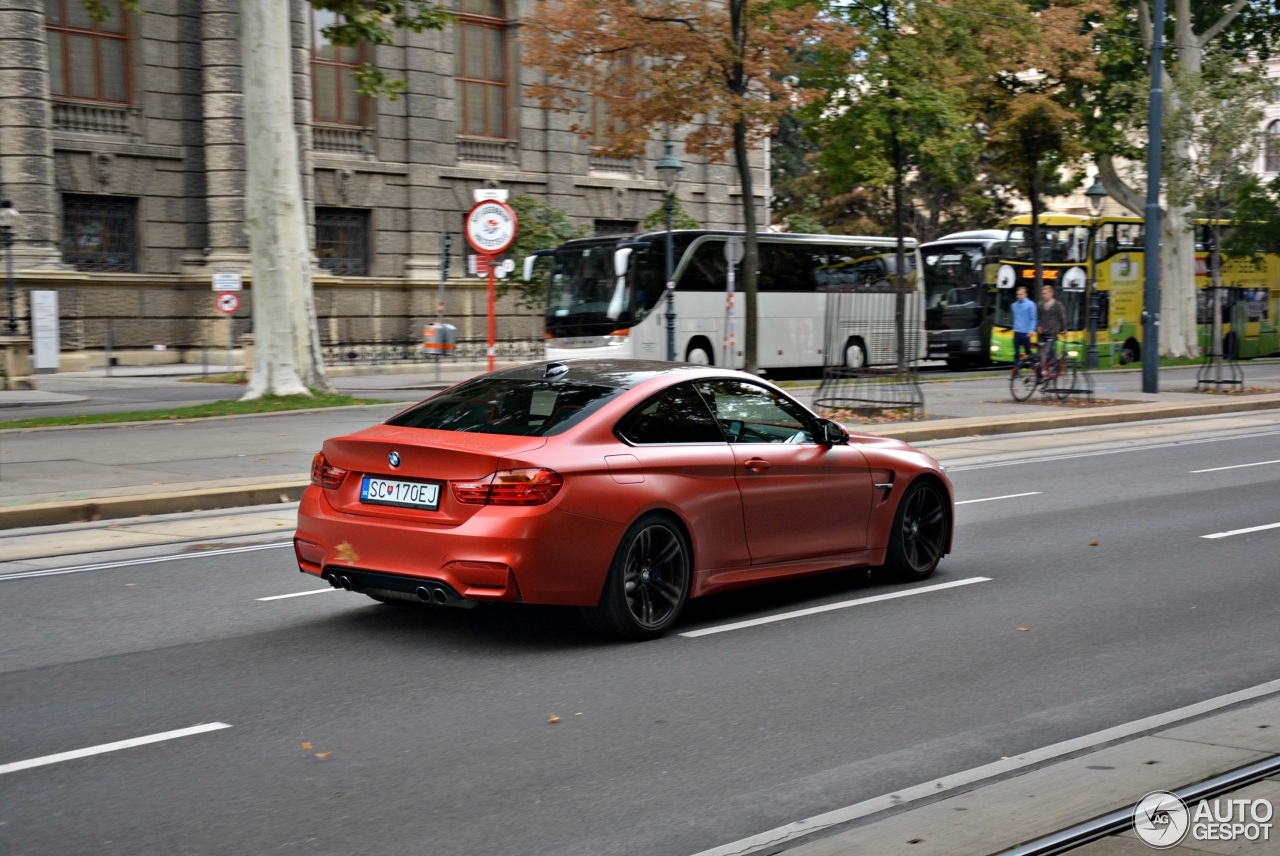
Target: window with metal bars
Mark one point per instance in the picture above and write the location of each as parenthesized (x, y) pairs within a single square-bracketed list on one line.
[(1271, 147), (482, 70), (342, 241), (88, 59), (100, 233)]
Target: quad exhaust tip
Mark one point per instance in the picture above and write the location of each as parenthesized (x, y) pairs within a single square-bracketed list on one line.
[(433, 594)]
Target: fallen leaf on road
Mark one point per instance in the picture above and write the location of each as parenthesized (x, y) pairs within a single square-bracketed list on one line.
[(1023, 629), (580, 713), (554, 719), (323, 754), (306, 747), (1093, 543)]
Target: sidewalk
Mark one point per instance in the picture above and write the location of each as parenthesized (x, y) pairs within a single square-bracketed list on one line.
[(1014, 810)]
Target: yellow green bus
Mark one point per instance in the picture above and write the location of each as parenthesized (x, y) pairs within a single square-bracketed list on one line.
[(1108, 251)]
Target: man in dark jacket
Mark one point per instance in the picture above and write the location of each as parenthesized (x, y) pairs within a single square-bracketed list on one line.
[(1052, 318)]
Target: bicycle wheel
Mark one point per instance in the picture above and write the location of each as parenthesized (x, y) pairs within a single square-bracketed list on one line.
[(1067, 381), (1022, 382)]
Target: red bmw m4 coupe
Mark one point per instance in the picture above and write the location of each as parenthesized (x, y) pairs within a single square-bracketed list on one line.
[(624, 488)]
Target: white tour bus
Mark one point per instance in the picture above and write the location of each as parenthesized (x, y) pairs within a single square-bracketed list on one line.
[(605, 298)]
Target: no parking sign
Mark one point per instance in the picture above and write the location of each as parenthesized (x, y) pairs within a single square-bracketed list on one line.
[(227, 301)]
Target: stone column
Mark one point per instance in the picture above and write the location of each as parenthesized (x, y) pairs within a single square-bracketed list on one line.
[(26, 141), (224, 156)]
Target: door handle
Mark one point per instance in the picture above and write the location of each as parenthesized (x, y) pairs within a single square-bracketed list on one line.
[(757, 465)]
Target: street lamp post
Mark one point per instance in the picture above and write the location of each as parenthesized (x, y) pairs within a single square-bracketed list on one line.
[(668, 169), (1097, 195), (8, 217)]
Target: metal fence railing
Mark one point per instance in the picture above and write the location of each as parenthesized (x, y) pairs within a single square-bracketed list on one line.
[(874, 342)]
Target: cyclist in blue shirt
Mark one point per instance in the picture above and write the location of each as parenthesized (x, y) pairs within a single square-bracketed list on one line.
[(1024, 324)]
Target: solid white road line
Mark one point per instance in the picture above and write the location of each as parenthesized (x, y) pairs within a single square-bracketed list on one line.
[(298, 594), (800, 613), (994, 498), (111, 747), (1234, 467), (124, 563), (1242, 531), (817, 823)]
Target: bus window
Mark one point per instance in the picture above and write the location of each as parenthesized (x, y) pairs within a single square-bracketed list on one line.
[(707, 269)]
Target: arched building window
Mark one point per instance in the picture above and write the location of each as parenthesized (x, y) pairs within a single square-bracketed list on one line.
[(1271, 156), (482, 68), (88, 58)]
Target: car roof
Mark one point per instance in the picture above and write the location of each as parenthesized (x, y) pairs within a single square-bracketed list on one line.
[(618, 374)]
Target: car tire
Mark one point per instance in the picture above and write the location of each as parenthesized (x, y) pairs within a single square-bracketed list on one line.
[(921, 528), (648, 581)]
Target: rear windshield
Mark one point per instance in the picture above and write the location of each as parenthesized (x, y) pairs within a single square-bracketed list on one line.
[(530, 408)]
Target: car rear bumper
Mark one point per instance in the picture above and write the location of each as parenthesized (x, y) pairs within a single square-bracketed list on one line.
[(541, 555)]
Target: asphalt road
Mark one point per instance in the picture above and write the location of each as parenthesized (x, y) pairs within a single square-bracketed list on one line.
[(362, 728)]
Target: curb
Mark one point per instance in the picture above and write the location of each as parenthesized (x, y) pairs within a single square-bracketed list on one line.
[(211, 495), (177, 499)]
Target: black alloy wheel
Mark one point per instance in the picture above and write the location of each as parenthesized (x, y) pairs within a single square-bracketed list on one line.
[(921, 527), (648, 581)]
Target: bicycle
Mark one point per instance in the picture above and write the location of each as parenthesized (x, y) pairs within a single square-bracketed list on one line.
[(1053, 375)]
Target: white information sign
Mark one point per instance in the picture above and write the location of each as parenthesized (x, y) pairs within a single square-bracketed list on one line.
[(485, 194), (44, 330), (227, 282), (491, 227)]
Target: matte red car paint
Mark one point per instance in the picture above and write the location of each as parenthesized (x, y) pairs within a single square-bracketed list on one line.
[(813, 508)]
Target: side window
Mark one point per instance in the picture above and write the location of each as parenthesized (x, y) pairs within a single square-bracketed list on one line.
[(707, 269), (675, 415), (752, 414)]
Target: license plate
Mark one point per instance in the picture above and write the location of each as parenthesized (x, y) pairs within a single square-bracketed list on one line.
[(406, 494)]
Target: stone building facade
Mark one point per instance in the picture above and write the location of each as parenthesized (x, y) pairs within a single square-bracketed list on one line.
[(121, 145)]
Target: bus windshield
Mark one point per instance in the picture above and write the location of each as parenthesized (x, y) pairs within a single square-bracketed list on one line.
[(1057, 243), (586, 298), (953, 286)]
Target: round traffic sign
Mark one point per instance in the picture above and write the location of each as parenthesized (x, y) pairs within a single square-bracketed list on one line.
[(228, 302), (491, 227)]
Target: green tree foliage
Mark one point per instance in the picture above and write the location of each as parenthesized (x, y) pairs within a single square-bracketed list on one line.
[(1195, 31), (680, 219)]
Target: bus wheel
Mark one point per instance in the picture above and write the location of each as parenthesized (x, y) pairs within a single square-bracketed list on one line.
[(699, 353), (855, 354), (1131, 352)]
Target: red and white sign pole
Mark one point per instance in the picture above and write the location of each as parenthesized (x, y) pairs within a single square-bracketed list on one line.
[(491, 230)]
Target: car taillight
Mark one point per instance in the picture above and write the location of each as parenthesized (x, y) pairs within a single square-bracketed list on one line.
[(510, 487), (325, 474)]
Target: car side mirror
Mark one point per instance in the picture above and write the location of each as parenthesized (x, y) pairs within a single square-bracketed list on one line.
[(833, 434)]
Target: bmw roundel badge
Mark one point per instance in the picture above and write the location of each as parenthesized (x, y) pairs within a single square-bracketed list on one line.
[(394, 459)]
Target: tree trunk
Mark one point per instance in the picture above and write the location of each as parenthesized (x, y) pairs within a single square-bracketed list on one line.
[(750, 249), (287, 342)]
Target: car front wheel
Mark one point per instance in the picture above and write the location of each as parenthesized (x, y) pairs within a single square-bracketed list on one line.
[(648, 581), (920, 529)]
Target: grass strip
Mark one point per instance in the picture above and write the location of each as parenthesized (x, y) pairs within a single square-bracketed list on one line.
[(266, 404)]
